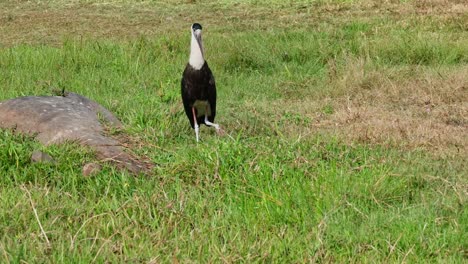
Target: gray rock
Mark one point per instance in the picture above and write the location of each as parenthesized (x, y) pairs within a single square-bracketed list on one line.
[(55, 119), (39, 156)]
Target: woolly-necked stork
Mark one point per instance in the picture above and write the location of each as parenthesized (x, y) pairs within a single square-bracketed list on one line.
[(198, 86)]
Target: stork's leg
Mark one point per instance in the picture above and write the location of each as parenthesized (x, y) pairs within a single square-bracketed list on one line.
[(195, 124), (208, 123)]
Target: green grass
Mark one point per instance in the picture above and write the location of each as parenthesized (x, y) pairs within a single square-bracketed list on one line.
[(277, 189)]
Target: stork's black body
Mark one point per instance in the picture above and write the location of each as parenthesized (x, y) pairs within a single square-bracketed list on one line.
[(199, 85)]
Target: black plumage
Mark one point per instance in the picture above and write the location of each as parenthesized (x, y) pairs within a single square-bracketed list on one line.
[(199, 85)]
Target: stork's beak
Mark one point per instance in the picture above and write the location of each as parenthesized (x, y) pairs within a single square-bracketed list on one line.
[(197, 33)]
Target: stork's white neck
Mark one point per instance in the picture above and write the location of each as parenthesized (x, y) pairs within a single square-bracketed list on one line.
[(196, 53)]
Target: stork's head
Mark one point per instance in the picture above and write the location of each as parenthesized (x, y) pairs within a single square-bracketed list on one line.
[(196, 32), (196, 26)]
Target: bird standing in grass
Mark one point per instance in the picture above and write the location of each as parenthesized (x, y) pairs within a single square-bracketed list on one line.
[(198, 86)]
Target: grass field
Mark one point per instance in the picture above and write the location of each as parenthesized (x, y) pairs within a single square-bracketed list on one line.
[(346, 131)]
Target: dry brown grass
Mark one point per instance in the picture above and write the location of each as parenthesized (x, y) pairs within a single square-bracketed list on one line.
[(50, 22), (427, 111), (35, 23)]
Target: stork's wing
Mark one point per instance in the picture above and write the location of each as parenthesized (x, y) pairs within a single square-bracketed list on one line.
[(185, 84), (212, 97)]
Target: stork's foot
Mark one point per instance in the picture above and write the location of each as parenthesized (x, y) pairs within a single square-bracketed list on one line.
[(220, 131), (208, 123), (218, 128)]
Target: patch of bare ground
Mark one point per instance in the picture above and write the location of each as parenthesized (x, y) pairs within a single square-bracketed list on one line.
[(428, 110)]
